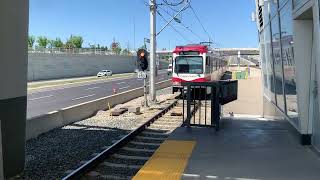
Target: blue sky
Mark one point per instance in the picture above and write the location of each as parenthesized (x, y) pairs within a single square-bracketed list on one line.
[(100, 21)]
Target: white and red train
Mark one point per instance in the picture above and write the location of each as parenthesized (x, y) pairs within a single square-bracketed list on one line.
[(196, 63)]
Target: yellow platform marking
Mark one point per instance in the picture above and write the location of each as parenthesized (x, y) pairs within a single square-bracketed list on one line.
[(168, 162)]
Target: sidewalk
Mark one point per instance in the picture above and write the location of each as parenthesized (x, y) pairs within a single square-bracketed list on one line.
[(249, 96), (248, 149)]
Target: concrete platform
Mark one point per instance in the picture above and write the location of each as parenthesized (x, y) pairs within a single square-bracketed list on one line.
[(248, 149), (250, 100)]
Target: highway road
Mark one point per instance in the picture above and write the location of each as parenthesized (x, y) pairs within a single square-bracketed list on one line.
[(52, 99)]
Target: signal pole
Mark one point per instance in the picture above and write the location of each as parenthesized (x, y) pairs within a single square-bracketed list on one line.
[(153, 9)]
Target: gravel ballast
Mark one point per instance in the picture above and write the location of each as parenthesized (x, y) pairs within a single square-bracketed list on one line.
[(52, 154)]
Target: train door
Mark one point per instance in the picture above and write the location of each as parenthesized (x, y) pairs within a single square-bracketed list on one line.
[(207, 66)]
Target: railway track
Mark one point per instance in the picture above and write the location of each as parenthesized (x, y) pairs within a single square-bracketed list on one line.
[(127, 156)]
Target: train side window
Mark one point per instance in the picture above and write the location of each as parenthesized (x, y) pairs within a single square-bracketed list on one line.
[(208, 61)]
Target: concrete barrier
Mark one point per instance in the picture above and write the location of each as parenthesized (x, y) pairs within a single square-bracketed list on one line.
[(57, 66), (44, 123)]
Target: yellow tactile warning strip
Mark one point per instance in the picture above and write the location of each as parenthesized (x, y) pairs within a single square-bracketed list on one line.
[(168, 162)]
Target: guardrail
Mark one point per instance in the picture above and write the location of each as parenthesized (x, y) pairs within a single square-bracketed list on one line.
[(44, 123)]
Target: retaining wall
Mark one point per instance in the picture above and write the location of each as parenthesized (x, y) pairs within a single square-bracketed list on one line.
[(55, 66)]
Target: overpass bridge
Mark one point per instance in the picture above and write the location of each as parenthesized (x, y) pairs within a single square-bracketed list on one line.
[(235, 51), (225, 51)]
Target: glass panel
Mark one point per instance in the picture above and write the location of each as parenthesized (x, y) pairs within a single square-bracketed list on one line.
[(282, 2), (263, 62), (189, 64), (265, 14), (269, 64), (288, 61), (273, 7), (298, 3), (277, 62)]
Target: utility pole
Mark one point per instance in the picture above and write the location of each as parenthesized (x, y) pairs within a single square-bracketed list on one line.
[(153, 9)]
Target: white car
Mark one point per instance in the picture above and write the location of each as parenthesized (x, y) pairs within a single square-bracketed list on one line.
[(104, 73)]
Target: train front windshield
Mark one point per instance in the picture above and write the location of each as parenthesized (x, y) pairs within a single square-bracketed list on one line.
[(189, 64)]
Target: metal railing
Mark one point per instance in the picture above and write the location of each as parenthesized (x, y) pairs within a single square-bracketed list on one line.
[(92, 51), (206, 98)]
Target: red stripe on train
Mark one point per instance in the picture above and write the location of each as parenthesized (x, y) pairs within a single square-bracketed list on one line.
[(174, 79)]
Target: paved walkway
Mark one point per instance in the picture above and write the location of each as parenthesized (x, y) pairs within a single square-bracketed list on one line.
[(245, 148), (249, 96), (248, 149)]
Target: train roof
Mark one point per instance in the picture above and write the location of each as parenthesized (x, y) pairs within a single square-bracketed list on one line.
[(193, 47)]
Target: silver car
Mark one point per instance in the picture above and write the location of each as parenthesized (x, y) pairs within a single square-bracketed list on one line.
[(104, 73)]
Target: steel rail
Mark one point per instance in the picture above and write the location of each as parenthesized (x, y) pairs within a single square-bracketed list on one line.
[(89, 165)]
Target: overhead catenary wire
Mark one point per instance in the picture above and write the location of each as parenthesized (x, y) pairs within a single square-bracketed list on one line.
[(183, 25), (186, 39), (174, 4), (145, 2), (204, 29), (173, 9), (168, 23)]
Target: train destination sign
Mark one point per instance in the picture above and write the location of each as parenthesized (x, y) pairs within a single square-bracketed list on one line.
[(189, 53)]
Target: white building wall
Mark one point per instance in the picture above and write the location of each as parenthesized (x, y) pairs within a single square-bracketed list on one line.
[(302, 55)]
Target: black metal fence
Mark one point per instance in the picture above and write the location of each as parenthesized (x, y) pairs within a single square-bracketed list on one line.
[(202, 101)]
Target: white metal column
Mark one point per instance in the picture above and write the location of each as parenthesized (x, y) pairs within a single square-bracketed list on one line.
[(153, 50)]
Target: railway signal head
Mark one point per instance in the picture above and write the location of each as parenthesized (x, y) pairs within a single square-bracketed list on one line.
[(142, 60)]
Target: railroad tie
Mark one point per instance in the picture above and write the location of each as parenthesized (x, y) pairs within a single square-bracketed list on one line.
[(121, 165), (144, 143), (137, 150), (120, 156)]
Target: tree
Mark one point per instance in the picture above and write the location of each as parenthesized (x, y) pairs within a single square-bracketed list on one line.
[(115, 47), (57, 43), (126, 52), (69, 45), (42, 41), (74, 42), (50, 43), (31, 40)]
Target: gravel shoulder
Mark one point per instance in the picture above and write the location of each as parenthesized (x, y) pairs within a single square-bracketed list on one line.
[(52, 154)]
